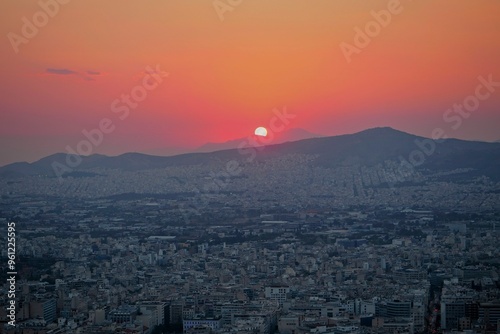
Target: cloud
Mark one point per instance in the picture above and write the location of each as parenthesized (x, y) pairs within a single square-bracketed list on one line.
[(85, 75), (60, 71)]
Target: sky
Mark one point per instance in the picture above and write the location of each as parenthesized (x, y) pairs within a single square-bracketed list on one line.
[(214, 70)]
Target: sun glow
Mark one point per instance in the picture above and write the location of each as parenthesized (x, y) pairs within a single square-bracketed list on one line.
[(261, 131)]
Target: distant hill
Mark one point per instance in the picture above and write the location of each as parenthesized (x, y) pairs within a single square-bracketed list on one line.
[(278, 138), (366, 148)]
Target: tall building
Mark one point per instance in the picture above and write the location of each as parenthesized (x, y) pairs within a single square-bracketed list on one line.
[(176, 310), (454, 299), (43, 308), (157, 310), (490, 315), (278, 293), (393, 309), (451, 312), (123, 314), (398, 309)]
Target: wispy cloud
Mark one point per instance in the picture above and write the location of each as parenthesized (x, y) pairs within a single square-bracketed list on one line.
[(85, 75), (60, 71)]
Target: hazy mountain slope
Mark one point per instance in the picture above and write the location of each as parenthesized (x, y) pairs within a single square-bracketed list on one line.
[(366, 148)]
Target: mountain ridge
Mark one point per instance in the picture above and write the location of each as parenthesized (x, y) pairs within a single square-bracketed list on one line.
[(365, 148)]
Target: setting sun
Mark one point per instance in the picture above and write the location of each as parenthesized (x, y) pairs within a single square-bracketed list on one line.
[(261, 131)]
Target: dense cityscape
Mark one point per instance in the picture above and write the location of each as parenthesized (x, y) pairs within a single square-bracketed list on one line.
[(142, 252)]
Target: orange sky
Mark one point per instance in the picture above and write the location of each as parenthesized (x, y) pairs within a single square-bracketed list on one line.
[(226, 76)]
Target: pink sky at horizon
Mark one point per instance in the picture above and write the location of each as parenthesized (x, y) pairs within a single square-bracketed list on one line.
[(225, 77)]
